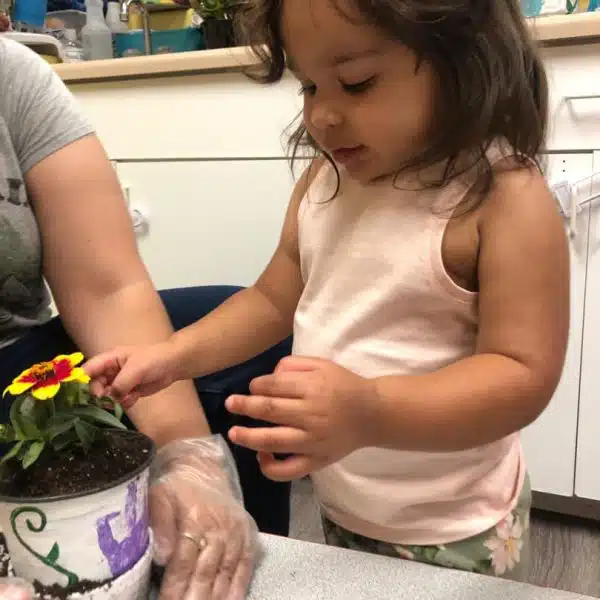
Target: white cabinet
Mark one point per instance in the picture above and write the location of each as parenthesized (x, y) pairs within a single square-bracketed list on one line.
[(587, 483), (550, 444), (209, 222), (574, 90), (207, 116)]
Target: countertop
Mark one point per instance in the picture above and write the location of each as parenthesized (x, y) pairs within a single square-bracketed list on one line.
[(571, 29), (294, 570)]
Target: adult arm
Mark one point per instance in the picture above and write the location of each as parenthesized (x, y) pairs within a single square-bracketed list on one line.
[(101, 287)]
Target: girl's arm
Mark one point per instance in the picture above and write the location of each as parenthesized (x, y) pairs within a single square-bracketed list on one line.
[(522, 338), (255, 318), (245, 325)]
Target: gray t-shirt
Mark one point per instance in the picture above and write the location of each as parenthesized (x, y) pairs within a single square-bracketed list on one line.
[(38, 116)]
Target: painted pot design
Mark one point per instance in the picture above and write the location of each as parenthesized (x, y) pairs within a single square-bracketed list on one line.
[(92, 537)]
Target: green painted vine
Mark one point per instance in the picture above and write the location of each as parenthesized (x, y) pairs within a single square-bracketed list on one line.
[(51, 559)]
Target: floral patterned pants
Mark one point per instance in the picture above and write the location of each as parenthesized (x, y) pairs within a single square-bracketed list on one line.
[(501, 551)]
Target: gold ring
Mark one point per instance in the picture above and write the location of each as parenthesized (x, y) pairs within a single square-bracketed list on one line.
[(200, 542)]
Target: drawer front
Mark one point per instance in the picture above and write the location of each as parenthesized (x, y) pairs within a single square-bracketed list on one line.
[(574, 81), (194, 117)]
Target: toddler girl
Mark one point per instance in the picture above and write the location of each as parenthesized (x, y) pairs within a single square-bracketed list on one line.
[(423, 269)]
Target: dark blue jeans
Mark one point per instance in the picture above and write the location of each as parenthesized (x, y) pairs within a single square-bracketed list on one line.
[(267, 501)]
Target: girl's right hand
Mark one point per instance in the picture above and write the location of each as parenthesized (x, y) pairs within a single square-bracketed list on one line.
[(130, 372)]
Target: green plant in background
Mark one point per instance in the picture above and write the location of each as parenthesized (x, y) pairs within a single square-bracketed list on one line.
[(216, 9), (53, 409)]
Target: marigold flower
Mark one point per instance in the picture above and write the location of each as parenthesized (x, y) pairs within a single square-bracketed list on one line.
[(44, 379)]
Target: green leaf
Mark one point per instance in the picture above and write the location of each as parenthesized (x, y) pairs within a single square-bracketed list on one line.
[(54, 554), (99, 415), (86, 433), (24, 449), (7, 433), (118, 410), (15, 411), (33, 453), (64, 440), (105, 402), (12, 453), (59, 424), (71, 393), (28, 418), (84, 395), (61, 403)]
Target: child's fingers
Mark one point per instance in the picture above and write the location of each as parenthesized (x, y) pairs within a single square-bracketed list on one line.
[(278, 440), (294, 467)]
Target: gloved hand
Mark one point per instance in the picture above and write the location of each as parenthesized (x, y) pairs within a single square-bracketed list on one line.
[(12, 588), (202, 533)]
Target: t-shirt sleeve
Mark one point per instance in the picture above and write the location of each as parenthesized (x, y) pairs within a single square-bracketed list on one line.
[(41, 114)]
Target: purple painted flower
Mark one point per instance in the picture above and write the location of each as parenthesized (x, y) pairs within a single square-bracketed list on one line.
[(122, 555)]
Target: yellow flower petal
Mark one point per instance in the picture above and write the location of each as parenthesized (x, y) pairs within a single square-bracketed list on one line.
[(17, 387), (75, 358), (46, 392), (78, 374)]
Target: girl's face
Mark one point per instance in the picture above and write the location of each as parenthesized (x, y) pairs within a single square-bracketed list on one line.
[(365, 102)]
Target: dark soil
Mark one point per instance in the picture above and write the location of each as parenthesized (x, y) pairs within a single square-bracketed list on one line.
[(114, 456), (5, 569), (55, 592)]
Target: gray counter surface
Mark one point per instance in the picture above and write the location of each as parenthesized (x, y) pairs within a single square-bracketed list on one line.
[(294, 570)]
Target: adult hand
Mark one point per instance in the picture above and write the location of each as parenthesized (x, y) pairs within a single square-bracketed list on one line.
[(202, 533), (12, 588), (129, 372), (320, 407)]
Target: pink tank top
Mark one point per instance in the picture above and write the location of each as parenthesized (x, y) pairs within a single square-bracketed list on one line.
[(378, 301)]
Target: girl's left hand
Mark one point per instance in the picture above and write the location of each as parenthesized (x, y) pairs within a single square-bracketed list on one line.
[(321, 410)]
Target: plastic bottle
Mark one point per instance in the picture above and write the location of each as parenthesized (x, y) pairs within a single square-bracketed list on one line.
[(72, 51), (532, 8), (113, 20), (95, 35)]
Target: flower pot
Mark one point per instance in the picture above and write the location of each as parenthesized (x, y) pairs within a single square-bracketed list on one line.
[(89, 536), (134, 584), (218, 33)]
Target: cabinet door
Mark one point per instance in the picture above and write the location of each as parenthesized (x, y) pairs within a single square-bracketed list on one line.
[(208, 222), (587, 482), (573, 72), (210, 115), (550, 442)]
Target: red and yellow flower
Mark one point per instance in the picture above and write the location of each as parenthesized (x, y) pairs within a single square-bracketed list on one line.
[(43, 380)]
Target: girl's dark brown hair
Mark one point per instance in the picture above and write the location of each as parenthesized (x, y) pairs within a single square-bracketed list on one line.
[(491, 81)]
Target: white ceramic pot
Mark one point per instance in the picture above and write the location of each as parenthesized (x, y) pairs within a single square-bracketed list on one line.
[(95, 536)]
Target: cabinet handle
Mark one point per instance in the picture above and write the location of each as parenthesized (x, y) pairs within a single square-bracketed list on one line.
[(582, 97), (588, 200), (567, 202), (139, 221)]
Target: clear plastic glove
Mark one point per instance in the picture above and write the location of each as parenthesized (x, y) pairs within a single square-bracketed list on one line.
[(202, 533), (12, 588)]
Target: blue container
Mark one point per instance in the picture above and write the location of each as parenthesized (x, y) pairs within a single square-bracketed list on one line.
[(163, 42), (30, 12), (531, 8)]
